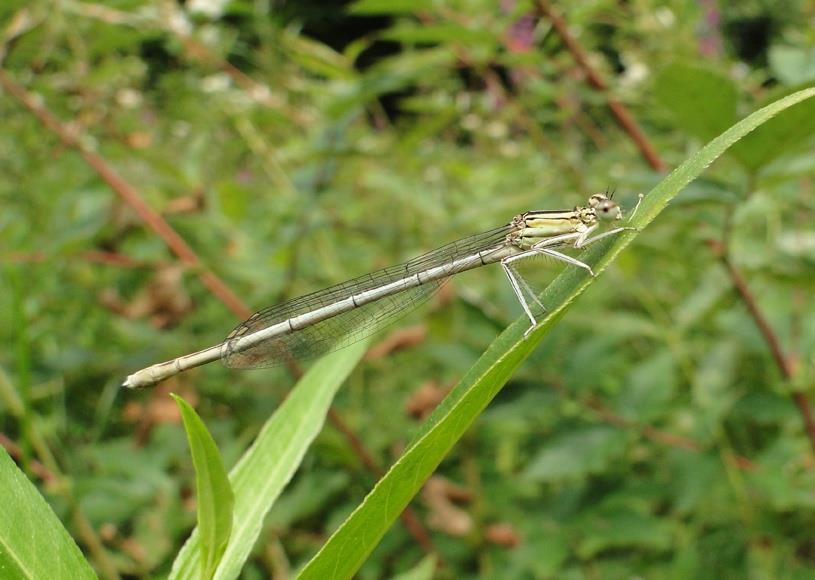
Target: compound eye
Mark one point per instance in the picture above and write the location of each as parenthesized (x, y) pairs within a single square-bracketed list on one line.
[(608, 209)]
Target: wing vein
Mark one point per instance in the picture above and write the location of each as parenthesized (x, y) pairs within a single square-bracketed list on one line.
[(353, 325)]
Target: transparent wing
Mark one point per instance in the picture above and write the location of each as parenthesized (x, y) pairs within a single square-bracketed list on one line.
[(353, 325)]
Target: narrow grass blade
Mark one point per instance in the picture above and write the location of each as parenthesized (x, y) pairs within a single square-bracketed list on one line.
[(214, 494), (345, 551), (265, 469), (33, 543)]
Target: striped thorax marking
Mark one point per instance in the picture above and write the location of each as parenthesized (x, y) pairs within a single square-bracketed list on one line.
[(534, 226)]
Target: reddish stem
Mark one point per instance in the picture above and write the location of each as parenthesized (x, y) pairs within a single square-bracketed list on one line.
[(783, 362), (620, 111)]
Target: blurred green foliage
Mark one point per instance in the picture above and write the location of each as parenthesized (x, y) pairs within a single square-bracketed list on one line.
[(651, 434)]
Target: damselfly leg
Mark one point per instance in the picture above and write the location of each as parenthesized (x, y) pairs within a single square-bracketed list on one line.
[(578, 239)]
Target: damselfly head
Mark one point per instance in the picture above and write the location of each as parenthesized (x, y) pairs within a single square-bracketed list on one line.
[(604, 207)]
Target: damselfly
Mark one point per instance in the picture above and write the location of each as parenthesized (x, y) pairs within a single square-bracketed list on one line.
[(328, 319)]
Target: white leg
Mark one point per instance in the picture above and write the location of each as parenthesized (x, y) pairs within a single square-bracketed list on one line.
[(582, 243), (561, 239), (525, 287), (581, 239), (568, 259), (516, 287), (538, 251), (516, 281), (529, 291), (578, 239)]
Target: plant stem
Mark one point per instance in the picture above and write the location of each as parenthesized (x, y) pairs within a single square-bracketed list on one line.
[(782, 361), (620, 111)]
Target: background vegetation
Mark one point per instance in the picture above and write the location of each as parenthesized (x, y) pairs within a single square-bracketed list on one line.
[(662, 428)]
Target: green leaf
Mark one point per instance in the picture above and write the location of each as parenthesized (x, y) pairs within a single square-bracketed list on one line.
[(712, 386), (233, 199), (778, 136), (439, 33), (702, 102), (624, 529), (345, 551), (793, 65), (710, 287), (317, 57), (269, 464), (765, 408), (374, 7), (424, 570), (576, 455), (649, 388), (311, 495), (699, 482), (215, 497), (391, 75), (33, 542)]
